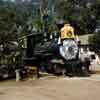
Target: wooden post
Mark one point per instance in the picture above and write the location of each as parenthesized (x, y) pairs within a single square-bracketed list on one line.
[(17, 75)]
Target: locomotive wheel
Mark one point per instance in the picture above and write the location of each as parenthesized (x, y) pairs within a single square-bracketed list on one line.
[(50, 68), (84, 72), (57, 69), (64, 71), (70, 70), (85, 69), (74, 68)]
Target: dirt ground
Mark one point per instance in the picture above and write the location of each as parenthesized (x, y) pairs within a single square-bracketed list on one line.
[(53, 88)]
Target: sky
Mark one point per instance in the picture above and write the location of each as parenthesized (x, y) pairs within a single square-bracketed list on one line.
[(15, 0), (9, 0)]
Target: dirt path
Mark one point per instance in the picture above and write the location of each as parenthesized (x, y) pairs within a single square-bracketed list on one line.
[(52, 89)]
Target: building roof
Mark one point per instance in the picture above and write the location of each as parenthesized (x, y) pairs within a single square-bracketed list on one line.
[(84, 38)]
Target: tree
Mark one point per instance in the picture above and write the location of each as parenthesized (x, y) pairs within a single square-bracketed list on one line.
[(98, 13), (95, 41), (9, 45), (7, 25), (82, 15)]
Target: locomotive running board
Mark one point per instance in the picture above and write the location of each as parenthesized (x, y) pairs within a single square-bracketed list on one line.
[(57, 61)]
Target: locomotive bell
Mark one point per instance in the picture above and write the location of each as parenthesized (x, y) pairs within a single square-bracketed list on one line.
[(67, 32)]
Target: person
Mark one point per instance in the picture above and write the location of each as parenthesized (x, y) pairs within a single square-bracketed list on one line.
[(97, 59), (77, 39)]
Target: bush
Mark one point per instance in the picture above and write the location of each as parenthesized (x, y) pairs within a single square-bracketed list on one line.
[(95, 40)]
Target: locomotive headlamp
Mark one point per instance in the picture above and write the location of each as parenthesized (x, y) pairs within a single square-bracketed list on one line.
[(69, 49)]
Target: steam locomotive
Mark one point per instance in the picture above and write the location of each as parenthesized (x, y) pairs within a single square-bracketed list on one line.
[(63, 58)]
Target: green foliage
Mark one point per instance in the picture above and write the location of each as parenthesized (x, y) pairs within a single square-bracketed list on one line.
[(38, 24), (7, 25), (95, 40), (8, 38), (82, 15)]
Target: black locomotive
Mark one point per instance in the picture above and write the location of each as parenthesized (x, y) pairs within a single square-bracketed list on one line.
[(63, 58)]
